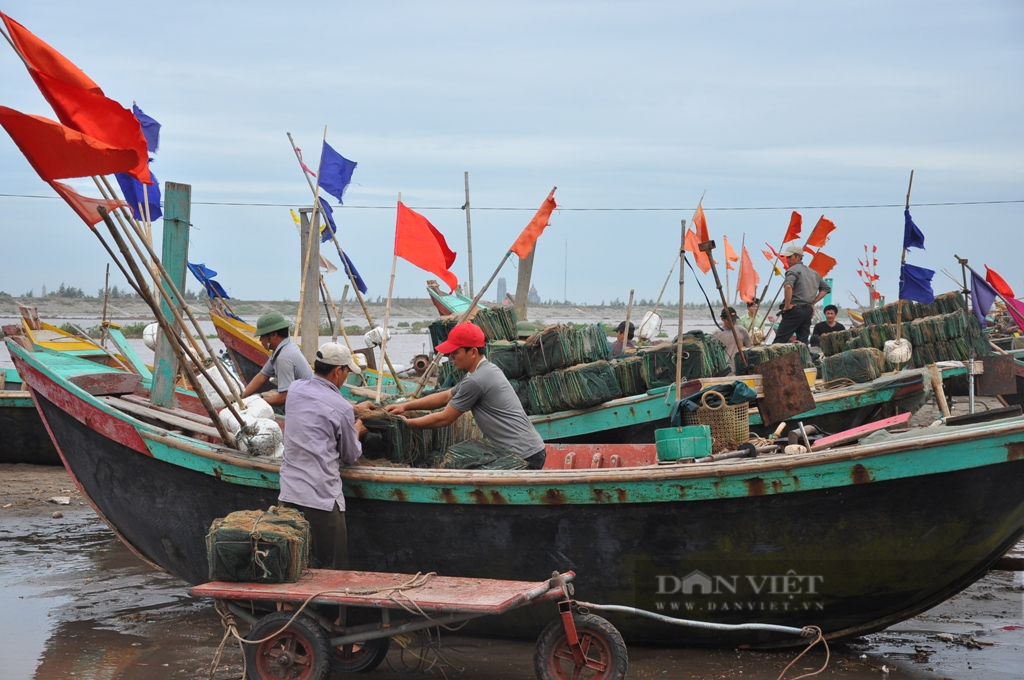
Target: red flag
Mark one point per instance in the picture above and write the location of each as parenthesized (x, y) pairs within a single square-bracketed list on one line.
[(85, 206), (56, 152), (699, 256), (747, 285), (701, 225), (875, 294), (45, 59), (822, 264), (997, 282), (524, 244), (97, 116), (822, 229), (730, 254), (418, 242), (777, 256), (795, 223)]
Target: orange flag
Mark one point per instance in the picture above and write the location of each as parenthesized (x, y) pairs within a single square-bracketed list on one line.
[(44, 59), (701, 225), (418, 242), (528, 238), (795, 223), (57, 152), (699, 256), (997, 282), (747, 285), (822, 229), (84, 206), (730, 254), (822, 264)]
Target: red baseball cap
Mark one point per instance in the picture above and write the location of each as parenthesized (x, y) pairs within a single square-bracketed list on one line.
[(463, 335)]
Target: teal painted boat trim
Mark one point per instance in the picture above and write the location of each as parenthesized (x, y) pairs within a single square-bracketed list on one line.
[(7, 401), (174, 257), (129, 353), (11, 377), (457, 303)]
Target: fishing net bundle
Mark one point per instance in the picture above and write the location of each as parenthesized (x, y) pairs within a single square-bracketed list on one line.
[(762, 353), (715, 360), (836, 342), (946, 303), (480, 454), (859, 365), (577, 387), (508, 356), (522, 390), (660, 361), (257, 546), (388, 438), (629, 372), (448, 375), (549, 350), (497, 323)]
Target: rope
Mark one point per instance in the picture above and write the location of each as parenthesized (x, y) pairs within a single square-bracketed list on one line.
[(828, 654), (257, 554), (227, 620), (714, 317)]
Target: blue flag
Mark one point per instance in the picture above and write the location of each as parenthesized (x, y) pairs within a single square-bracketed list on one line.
[(329, 229), (916, 284), (133, 194), (335, 172), (912, 236), (982, 297), (150, 129), (205, 276), (350, 270)]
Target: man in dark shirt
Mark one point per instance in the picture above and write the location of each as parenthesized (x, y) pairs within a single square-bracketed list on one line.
[(829, 325), (622, 343), (803, 289)]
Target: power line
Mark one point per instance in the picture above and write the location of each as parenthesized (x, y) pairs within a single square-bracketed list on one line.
[(533, 209)]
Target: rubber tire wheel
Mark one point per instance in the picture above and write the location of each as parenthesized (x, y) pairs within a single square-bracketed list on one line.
[(600, 640), (364, 658), (303, 637)]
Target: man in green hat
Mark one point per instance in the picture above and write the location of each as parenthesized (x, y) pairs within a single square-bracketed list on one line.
[(286, 362)]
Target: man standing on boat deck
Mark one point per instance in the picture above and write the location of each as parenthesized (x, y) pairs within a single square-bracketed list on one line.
[(320, 433), (286, 362), (486, 392), (622, 343), (803, 289)]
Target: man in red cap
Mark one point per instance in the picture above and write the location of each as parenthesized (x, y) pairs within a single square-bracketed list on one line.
[(486, 392)]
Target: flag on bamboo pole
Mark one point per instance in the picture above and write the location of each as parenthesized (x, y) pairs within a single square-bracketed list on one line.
[(335, 172), (84, 206), (748, 281), (916, 284), (58, 152), (775, 258), (330, 228), (418, 242), (822, 264), (692, 243), (730, 254), (1015, 308), (796, 222), (305, 167), (701, 224), (134, 194), (982, 297), (352, 273), (528, 237), (912, 236), (97, 116), (820, 233), (997, 282), (205, 276), (150, 128), (44, 59)]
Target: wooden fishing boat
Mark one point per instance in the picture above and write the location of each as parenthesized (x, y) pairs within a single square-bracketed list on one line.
[(23, 437), (449, 303), (852, 539)]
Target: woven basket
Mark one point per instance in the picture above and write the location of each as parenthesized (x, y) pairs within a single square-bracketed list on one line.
[(730, 425)]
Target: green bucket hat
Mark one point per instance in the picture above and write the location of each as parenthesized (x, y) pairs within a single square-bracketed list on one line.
[(524, 329), (270, 322)]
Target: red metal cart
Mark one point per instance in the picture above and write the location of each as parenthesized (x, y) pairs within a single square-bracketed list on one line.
[(287, 644)]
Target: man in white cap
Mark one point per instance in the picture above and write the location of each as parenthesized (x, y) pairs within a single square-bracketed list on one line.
[(320, 432), (803, 288)]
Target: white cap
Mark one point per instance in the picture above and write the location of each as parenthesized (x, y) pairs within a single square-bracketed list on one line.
[(792, 250), (335, 354)]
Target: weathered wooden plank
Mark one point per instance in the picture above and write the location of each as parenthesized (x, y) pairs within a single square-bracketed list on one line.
[(858, 432), (99, 384), (161, 416), (177, 215)]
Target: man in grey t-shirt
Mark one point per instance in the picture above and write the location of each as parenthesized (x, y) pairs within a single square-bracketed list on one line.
[(803, 289), (486, 392), (286, 361)]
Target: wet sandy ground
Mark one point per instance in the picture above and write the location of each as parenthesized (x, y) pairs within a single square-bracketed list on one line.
[(75, 603)]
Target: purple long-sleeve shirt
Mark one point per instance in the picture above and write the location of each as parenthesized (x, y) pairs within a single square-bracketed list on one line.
[(319, 432)]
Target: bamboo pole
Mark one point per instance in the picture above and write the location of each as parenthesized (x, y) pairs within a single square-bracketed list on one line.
[(106, 299), (337, 314), (679, 333), (629, 310), (310, 243), (469, 235), (708, 247), (903, 261), (387, 319)]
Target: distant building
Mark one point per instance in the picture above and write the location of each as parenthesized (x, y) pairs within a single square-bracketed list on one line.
[(534, 298), (501, 291)]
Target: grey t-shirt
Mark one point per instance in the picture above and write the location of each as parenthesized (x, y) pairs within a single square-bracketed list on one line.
[(287, 364), (497, 410), (805, 282)]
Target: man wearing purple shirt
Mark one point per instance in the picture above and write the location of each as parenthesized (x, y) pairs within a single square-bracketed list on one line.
[(320, 433)]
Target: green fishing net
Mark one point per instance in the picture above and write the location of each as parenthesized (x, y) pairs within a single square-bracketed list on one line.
[(522, 390), (481, 454), (629, 372), (508, 356), (946, 303), (859, 365), (578, 387), (389, 438), (762, 353), (497, 323), (257, 546), (715, 361), (660, 361), (549, 350), (447, 375)]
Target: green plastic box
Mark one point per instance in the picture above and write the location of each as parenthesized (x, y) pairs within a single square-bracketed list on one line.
[(675, 443)]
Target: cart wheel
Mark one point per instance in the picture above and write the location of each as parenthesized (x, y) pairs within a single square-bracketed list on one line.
[(299, 652), (602, 645), (359, 658)]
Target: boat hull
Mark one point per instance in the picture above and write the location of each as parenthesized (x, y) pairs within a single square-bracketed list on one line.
[(850, 542), (23, 437)]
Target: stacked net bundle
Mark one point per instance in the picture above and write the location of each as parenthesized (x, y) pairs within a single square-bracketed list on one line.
[(859, 365), (257, 546), (388, 438), (660, 362), (549, 350), (522, 390), (497, 323), (950, 336), (578, 387), (440, 328), (629, 372), (714, 358), (448, 375), (590, 343), (762, 353), (481, 454), (834, 343), (946, 303), (508, 356)]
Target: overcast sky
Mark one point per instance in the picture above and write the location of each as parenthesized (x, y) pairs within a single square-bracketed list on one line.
[(620, 105)]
